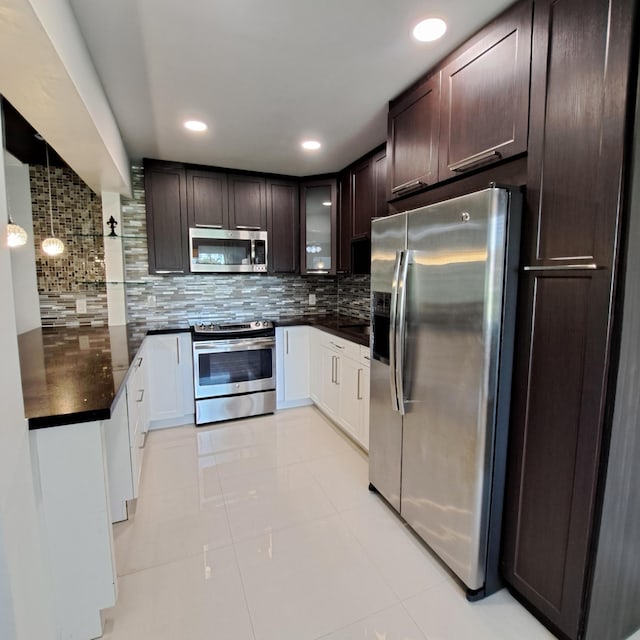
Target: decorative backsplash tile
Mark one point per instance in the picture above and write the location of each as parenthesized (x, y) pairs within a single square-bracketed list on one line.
[(170, 300), (79, 271)]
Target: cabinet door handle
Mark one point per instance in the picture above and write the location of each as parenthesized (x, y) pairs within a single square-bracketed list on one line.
[(406, 186), (333, 369), (209, 226), (337, 370), (178, 349), (286, 339), (562, 267), (358, 396), (475, 161), (139, 362), (140, 395), (247, 227)]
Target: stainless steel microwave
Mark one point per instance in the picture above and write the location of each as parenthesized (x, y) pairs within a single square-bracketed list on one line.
[(227, 251)]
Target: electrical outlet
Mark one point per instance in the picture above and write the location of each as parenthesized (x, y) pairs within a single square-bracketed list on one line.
[(312, 299), (151, 300), (81, 305)]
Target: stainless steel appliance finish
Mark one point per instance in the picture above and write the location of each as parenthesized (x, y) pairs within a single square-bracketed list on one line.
[(227, 251), (233, 370), (443, 305)]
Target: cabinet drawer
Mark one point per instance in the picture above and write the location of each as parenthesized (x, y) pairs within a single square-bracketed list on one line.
[(344, 347), (364, 356)]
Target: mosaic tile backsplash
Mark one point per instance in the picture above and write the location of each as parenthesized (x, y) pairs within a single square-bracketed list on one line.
[(79, 271), (170, 300)]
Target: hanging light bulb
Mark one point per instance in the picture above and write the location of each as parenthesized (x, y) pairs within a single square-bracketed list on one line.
[(16, 235), (52, 246)]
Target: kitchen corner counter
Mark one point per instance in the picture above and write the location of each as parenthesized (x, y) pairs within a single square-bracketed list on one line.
[(73, 375), (353, 329)]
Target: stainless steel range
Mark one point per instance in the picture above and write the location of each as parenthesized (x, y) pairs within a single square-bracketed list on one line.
[(234, 370)]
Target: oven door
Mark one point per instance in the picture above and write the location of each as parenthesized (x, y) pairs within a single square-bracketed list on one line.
[(227, 367)]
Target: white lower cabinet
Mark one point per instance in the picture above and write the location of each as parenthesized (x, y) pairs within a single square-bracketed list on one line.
[(170, 379), (340, 384), (292, 366), (137, 408)]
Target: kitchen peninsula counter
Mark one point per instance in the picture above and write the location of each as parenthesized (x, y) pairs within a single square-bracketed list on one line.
[(73, 375)]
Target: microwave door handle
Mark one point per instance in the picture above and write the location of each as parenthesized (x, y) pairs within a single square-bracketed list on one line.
[(253, 252), (393, 326), (401, 331)]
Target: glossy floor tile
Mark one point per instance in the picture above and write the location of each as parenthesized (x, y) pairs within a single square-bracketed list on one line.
[(265, 529)]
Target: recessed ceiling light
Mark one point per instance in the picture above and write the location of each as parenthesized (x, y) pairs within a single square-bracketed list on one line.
[(429, 30), (195, 125), (326, 204), (311, 145)]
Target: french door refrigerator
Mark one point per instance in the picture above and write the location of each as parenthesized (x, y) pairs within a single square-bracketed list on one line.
[(443, 287)]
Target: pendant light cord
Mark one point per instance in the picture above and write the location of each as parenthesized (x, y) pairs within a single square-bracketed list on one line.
[(46, 150)]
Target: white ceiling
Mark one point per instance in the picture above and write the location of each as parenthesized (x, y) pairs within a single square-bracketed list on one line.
[(264, 74)]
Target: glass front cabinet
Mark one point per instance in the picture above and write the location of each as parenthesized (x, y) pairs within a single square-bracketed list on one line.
[(318, 212)]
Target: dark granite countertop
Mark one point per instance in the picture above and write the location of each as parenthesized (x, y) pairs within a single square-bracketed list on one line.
[(74, 375), (347, 327)]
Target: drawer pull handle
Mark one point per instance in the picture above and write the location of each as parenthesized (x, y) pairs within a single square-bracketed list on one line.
[(562, 267), (140, 395), (406, 186), (475, 161), (337, 346)]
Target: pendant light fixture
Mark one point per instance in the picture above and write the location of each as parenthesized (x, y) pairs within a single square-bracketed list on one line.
[(52, 246)]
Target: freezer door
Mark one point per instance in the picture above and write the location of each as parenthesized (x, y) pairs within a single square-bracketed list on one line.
[(388, 238), (453, 315)]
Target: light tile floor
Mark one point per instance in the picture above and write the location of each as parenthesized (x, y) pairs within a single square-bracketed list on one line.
[(264, 529)]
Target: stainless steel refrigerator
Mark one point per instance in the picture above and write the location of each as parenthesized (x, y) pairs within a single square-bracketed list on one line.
[(443, 287)]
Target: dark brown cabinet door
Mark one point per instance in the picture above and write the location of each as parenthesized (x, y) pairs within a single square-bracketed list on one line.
[(344, 219), (207, 204), (379, 176), (247, 203), (412, 143), (485, 96), (283, 225), (318, 222), (362, 199), (165, 190), (581, 58)]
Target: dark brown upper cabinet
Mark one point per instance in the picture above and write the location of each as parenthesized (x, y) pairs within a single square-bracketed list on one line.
[(412, 142), (379, 174), (165, 188), (344, 217), (318, 226), (485, 96), (207, 202), (283, 226), (362, 199), (247, 203)]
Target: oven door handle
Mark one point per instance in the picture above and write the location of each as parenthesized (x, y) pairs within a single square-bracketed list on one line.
[(222, 346)]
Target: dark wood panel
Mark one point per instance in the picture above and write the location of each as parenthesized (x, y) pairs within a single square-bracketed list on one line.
[(567, 89), (247, 202), (379, 164), (412, 144), (207, 203), (362, 199), (283, 225), (166, 203), (485, 96)]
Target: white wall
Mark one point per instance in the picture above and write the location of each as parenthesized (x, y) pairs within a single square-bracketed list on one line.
[(23, 259), (26, 611)]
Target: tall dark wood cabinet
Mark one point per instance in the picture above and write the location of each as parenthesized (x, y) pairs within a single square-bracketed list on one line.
[(379, 178), (579, 101), (165, 188), (283, 226), (412, 140), (485, 96)]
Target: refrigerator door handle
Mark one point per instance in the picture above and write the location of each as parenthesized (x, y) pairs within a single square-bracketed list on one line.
[(393, 329), (401, 331)]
